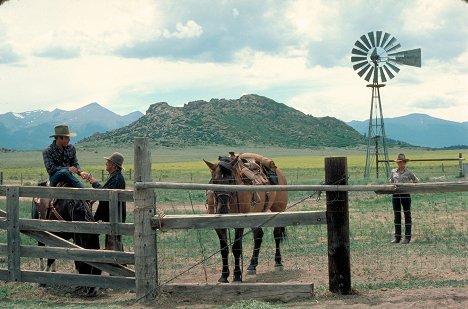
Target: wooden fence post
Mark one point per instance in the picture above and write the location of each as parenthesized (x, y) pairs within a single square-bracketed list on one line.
[(144, 236), (13, 234), (339, 266)]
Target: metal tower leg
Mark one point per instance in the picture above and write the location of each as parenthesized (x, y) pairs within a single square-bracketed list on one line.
[(376, 138)]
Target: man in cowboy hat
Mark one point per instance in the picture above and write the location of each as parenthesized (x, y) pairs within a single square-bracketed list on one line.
[(60, 158), (115, 181), (402, 174)]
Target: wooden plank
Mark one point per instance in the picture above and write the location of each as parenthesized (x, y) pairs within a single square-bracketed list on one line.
[(50, 239), (339, 263), (85, 255), (75, 193), (262, 291), (113, 282), (210, 221), (114, 219), (13, 235), (449, 186), (145, 237), (74, 226)]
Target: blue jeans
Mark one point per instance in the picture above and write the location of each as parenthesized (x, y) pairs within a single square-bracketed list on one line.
[(64, 175)]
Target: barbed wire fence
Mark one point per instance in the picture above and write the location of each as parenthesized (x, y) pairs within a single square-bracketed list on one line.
[(436, 256)]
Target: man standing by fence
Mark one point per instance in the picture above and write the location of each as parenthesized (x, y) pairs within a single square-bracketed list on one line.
[(60, 159), (402, 174), (115, 181)]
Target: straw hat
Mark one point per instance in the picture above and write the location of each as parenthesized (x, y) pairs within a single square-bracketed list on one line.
[(62, 130)]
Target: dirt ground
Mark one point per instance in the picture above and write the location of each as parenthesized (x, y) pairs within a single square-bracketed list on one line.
[(383, 298)]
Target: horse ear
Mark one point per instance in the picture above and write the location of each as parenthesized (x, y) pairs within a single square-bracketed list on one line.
[(209, 164)]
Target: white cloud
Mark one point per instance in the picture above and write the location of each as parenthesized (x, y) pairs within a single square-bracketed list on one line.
[(190, 30), (61, 54)]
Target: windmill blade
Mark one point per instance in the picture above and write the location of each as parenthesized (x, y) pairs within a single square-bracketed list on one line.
[(358, 52), (394, 68), (372, 38), (356, 59), (408, 57), (385, 38), (359, 65), (382, 75), (361, 46), (369, 74), (389, 73), (390, 43), (360, 73), (364, 39), (394, 47), (379, 35)]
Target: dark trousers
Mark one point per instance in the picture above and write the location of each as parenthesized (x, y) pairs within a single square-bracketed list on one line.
[(399, 201)]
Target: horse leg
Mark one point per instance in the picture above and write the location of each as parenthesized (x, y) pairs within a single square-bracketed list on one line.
[(224, 248), (51, 265), (280, 234), (258, 238), (237, 252)]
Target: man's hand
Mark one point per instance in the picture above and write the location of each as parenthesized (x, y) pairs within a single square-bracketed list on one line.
[(84, 175), (73, 169)]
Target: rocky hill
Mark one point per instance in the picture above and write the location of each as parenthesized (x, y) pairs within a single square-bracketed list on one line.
[(249, 120)]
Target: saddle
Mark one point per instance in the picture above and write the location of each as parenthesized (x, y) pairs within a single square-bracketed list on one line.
[(50, 209), (258, 169)]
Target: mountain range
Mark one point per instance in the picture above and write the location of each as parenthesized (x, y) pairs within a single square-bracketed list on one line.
[(31, 130), (247, 121), (421, 130)]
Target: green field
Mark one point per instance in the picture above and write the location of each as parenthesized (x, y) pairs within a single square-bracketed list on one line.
[(186, 165), (437, 256)]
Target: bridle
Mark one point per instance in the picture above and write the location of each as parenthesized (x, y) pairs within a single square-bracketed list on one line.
[(223, 199)]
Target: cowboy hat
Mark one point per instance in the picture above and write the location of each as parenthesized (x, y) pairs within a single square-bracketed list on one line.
[(62, 130), (401, 158), (116, 158)]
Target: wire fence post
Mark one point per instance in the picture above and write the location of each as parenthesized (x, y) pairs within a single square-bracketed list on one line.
[(460, 164), (339, 265), (144, 235)]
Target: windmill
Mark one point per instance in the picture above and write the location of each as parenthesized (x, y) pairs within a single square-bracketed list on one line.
[(376, 59)]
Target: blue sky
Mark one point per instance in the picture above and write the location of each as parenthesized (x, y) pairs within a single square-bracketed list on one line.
[(126, 55)]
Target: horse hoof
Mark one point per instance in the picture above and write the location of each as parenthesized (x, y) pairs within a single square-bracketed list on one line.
[(91, 292), (251, 272), (223, 280), (279, 268)]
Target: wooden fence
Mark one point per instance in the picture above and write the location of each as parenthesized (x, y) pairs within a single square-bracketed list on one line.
[(144, 277)]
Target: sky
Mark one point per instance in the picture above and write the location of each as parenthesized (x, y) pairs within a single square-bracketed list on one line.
[(126, 55)]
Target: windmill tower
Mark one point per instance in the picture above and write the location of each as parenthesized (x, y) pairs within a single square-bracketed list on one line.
[(375, 58)]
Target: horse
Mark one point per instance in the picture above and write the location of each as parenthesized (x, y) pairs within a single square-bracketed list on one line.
[(68, 210), (246, 169)]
